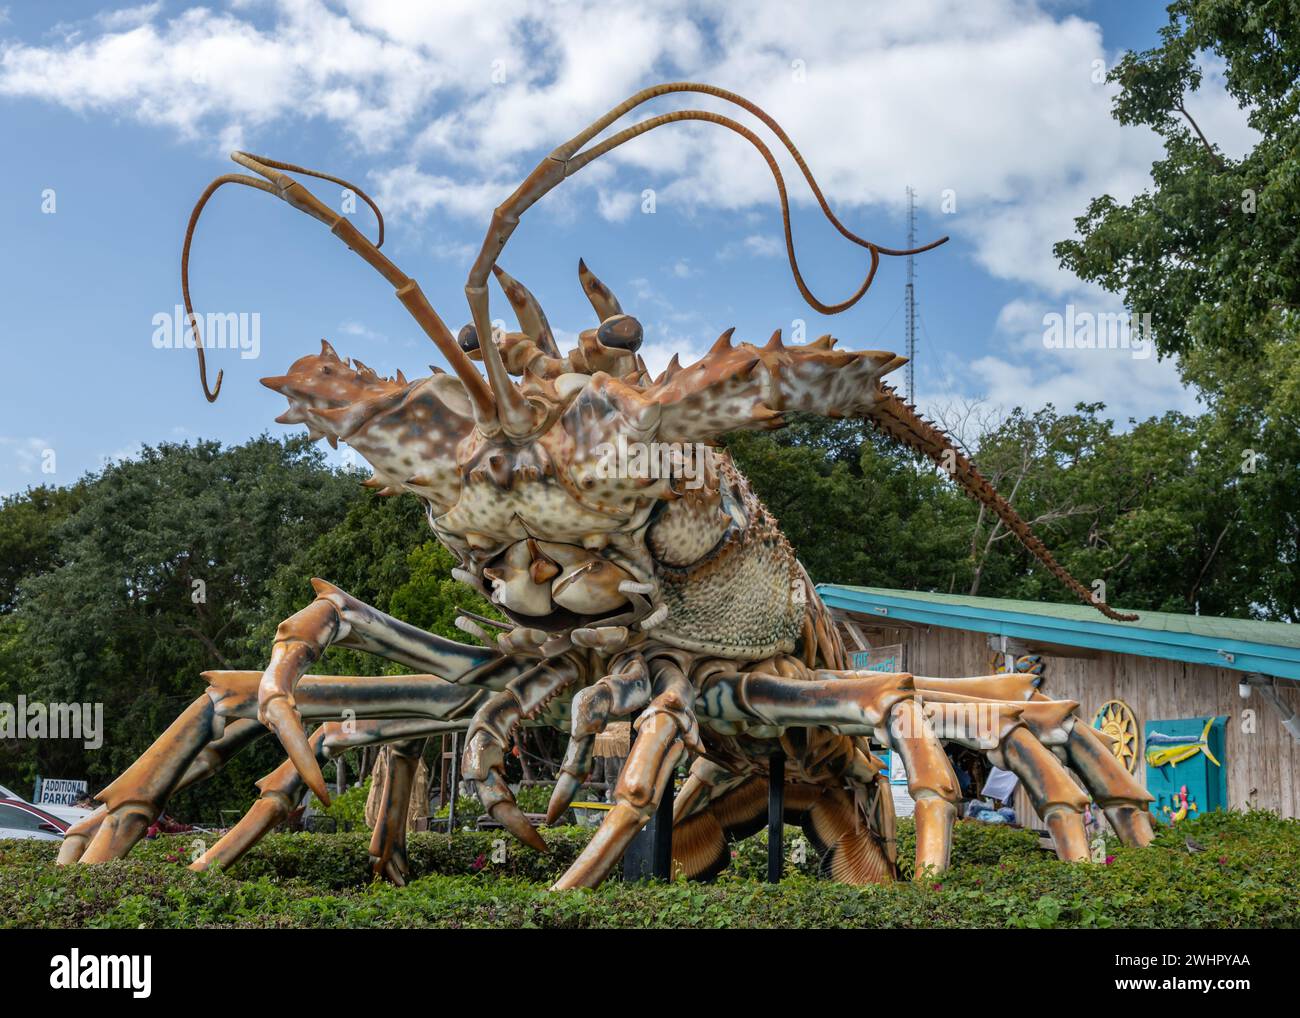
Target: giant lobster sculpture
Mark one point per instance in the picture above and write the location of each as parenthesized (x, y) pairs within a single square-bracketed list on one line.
[(667, 594)]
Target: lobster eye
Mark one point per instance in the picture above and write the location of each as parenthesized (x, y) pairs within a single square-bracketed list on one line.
[(621, 332), (467, 338)]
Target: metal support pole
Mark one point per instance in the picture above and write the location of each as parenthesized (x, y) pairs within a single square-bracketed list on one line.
[(662, 826), (775, 817), (455, 781), (650, 855)]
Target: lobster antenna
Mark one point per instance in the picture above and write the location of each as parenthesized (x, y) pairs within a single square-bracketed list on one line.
[(567, 160), (407, 290), (191, 320)]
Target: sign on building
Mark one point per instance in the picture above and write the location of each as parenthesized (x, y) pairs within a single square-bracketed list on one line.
[(878, 659), (60, 792)]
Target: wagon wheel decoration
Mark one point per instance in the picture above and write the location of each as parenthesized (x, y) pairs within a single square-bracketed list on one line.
[(1115, 718)]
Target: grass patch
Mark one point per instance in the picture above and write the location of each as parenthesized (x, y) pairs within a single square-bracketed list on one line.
[(1246, 876)]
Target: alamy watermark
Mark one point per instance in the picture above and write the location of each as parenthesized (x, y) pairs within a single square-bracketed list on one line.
[(652, 460), (972, 724), (219, 330), (34, 719), (77, 971), (1098, 330)]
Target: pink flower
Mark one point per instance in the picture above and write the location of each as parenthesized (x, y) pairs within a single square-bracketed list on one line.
[(938, 887), (1223, 860), (478, 863), (1109, 859)]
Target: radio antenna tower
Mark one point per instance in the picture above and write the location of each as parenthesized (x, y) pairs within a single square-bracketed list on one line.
[(911, 297)]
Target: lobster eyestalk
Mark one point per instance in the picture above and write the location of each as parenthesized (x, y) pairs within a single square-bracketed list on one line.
[(514, 414)]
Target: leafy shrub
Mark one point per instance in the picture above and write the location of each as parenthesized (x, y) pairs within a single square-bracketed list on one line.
[(468, 810), (348, 808), (1240, 870), (534, 798)]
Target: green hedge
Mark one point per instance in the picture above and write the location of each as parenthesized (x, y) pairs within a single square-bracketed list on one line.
[(1245, 874)]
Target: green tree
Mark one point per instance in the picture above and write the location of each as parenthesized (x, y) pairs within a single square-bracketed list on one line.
[(29, 544), (124, 588), (1210, 250), (382, 552), (1152, 511), (161, 573), (857, 508)]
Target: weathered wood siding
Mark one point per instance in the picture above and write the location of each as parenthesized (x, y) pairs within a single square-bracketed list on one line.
[(1263, 765)]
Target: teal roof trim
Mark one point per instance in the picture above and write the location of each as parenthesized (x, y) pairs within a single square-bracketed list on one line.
[(1245, 645)]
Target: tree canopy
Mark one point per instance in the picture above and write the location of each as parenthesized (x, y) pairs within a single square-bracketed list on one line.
[(1210, 249)]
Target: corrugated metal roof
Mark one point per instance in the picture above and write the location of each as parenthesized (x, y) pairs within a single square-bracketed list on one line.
[(1272, 648)]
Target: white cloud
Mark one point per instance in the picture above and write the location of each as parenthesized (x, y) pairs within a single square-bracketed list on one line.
[(121, 454), (26, 454), (756, 245), (128, 17), (993, 102), (1030, 375), (663, 341), (361, 331), (997, 104), (615, 206), (203, 71), (407, 191)]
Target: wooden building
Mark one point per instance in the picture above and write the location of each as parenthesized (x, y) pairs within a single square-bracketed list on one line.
[(1211, 703)]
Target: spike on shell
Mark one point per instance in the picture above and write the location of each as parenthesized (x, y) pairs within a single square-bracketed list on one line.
[(723, 342)]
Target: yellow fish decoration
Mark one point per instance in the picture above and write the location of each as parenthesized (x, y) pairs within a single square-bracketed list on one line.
[(1171, 750)]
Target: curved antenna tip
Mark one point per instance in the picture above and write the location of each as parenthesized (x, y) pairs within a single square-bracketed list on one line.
[(212, 396)]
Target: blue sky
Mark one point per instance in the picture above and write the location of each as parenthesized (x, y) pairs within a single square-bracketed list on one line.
[(125, 114)]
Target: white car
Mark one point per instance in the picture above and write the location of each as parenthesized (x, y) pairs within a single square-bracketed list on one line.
[(20, 819), (68, 814)]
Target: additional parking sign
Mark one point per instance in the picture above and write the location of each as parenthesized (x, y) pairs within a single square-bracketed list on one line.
[(61, 792)]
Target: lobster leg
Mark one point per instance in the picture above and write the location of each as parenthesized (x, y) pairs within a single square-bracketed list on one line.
[(211, 758), (1120, 795), (881, 701), (337, 617), (1016, 737), (134, 800), (237, 734), (704, 782), (1052, 791), (388, 842), (430, 703), (624, 690), (281, 790), (1056, 797), (664, 730), (222, 721), (489, 736), (416, 700)]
